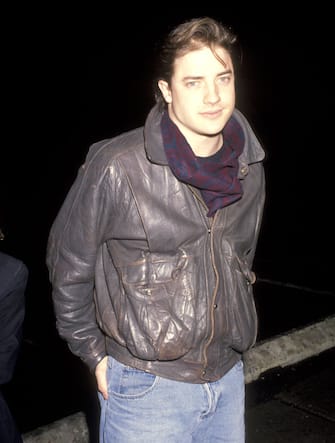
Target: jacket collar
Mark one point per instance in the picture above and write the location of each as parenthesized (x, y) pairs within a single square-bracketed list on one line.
[(153, 141)]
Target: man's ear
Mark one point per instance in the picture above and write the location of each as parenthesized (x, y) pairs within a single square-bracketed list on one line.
[(165, 90)]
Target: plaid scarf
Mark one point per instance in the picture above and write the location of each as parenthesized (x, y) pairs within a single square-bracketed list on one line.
[(215, 176)]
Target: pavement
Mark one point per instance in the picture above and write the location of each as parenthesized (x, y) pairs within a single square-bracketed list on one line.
[(295, 404)]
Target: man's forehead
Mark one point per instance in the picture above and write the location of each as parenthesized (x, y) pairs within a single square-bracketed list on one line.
[(204, 59)]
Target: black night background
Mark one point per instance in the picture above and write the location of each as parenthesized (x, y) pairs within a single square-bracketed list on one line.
[(71, 77)]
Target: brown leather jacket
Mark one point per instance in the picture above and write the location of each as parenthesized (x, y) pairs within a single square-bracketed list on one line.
[(140, 273)]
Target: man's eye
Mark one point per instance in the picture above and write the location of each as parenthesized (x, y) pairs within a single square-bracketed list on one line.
[(224, 79), (192, 84)]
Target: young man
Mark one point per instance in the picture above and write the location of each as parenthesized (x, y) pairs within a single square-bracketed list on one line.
[(150, 256)]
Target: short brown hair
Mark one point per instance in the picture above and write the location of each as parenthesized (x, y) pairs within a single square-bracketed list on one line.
[(186, 37)]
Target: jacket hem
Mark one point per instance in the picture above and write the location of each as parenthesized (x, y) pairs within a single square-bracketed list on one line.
[(181, 369)]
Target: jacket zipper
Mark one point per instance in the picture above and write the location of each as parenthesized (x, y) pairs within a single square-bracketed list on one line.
[(209, 223), (212, 306)]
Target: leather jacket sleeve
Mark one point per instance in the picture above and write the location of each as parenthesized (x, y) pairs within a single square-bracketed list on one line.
[(71, 257)]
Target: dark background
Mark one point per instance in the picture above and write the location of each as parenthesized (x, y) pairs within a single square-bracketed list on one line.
[(74, 76)]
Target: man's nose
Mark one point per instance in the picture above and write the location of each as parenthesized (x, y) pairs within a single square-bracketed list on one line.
[(211, 94)]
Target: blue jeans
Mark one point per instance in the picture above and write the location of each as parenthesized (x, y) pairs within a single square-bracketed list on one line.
[(144, 408)]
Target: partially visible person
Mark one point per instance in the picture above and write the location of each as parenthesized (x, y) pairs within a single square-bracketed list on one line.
[(13, 283), (151, 254)]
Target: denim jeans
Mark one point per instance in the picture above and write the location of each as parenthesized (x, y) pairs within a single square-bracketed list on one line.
[(144, 408)]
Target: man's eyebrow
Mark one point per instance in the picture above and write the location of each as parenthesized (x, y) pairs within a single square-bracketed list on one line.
[(199, 77), (193, 77), (227, 71)]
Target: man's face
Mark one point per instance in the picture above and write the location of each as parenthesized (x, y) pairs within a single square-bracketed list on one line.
[(201, 96)]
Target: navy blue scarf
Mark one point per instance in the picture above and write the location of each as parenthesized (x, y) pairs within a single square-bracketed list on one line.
[(215, 176)]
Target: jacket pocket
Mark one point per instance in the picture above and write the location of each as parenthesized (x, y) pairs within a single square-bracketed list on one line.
[(242, 315), (158, 313)]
